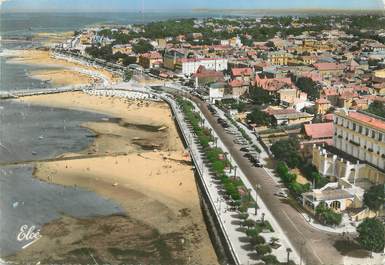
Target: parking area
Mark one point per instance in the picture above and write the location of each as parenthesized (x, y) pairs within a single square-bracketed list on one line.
[(239, 141)]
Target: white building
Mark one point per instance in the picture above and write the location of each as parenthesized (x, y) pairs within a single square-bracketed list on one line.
[(190, 66), (361, 136), (354, 164), (216, 91)]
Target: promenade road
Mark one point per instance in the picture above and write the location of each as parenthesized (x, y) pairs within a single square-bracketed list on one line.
[(316, 247)]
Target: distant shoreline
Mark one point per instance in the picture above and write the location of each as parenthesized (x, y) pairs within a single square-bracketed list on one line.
[(229, 11), (293, 11)]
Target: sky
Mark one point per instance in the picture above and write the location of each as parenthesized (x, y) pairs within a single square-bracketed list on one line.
[(151, 5)]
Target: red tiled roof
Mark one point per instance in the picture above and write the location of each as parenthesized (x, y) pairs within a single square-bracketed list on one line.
[(241, 71), (202, 72), (328, 66), (358, 88), (319, 130), (312, 75), (376, 123), (348, 95), (236, 83), (152, 55), (272, 84), (330, 92), (322, 101), (379, 99)]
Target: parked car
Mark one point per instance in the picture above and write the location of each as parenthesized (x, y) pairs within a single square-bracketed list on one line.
[(281, 194), (247, 155)]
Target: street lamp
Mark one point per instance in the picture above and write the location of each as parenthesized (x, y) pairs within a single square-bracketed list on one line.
[(300, 257), (288, 250), (257, 188)]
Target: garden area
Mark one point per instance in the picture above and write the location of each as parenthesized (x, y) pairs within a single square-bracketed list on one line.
[(288, 156)]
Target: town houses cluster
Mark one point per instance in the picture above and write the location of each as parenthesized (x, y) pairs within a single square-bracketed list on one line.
[(283, 78)]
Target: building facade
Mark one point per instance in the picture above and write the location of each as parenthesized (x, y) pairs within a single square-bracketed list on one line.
[(361, 136), (190, 66)]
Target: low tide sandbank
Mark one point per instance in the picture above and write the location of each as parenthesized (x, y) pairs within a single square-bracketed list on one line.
[(153, 182)]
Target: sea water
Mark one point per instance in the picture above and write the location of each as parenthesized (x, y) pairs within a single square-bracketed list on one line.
[(30, 132)]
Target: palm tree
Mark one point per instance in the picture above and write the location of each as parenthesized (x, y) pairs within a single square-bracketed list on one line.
[(274, 241)]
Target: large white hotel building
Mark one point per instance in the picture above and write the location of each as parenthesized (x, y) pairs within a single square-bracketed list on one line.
[(361, 136), (354, 163)]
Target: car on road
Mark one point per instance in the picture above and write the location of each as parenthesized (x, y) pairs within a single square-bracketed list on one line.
[(244, 149), (247, 155), (281, 194), (211, 109)]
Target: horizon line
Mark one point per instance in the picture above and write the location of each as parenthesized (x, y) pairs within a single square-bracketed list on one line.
[(201, 10)]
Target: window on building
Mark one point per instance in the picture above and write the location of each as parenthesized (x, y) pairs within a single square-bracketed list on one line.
[(360, 129), (380, 137), (373, 134), (354, 126)]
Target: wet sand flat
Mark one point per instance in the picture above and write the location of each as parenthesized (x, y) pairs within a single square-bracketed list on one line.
[(155, 186)]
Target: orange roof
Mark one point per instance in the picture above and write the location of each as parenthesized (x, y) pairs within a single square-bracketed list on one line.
[(152, 55), (328, 66), (330, 92), (366, 119), (322, 101), (236, 83), (241, 71), (319, 130), (272, 84), (202, 72)]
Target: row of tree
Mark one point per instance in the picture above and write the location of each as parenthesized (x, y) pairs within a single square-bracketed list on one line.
[(106, 52)]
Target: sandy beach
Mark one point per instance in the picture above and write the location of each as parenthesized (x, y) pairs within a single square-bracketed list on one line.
[(67, 73), (60, 78), (152, 180), (50, 39)]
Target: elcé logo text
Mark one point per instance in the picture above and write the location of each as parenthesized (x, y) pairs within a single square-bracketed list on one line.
[(28, 233)]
